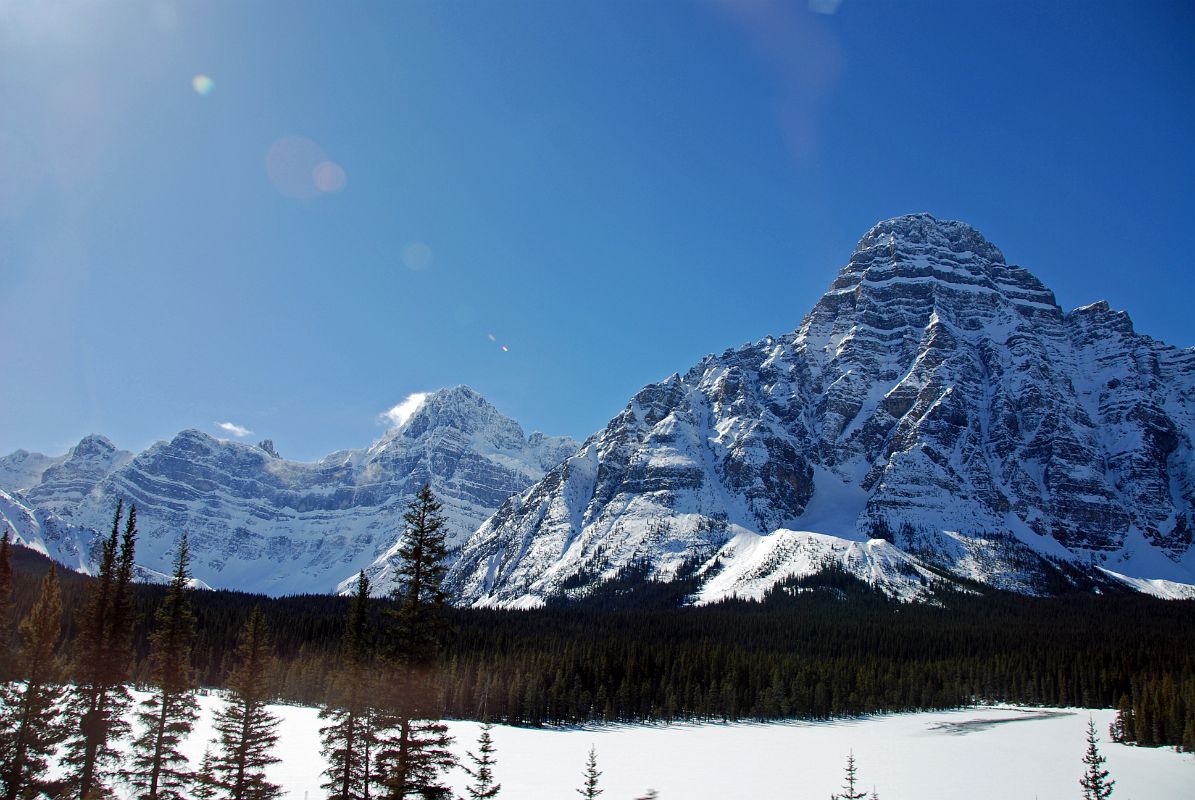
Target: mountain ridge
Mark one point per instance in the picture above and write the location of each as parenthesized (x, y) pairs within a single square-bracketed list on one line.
[(935, 396), (259, 522)]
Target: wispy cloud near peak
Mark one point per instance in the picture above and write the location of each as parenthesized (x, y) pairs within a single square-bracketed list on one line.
[(239, 431), (402, 412)]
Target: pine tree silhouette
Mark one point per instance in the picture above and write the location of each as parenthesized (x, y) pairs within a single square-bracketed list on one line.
[(1095, 783)]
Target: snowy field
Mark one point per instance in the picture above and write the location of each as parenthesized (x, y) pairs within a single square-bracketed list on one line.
[(979, 754)]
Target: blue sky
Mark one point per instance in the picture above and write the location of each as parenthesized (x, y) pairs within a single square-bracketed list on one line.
[(610, 190)]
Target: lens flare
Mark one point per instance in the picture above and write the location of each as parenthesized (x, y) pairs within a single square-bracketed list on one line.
[(417, 256), (505, 349), (328, 176), (202, 85), (491, 337)]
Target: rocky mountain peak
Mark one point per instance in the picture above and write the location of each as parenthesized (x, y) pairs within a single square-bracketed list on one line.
[(93, 445), (917, 265), (923, 232), (458, 411), (935, 397)]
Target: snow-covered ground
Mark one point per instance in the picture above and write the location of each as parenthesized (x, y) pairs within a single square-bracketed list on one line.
[(1000, 753)]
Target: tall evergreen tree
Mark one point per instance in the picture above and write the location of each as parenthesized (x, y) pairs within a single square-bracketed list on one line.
[(8, 645), (32, 728), (246, 730), (350, 740), (100, 697), (419, 569), (1095, 783), (482, 772), (589, 787), (159, 768), (413, 744), (850, 790)]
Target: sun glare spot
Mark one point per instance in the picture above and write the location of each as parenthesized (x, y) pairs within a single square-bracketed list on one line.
[(328, 176), (202, 85), (417, 256), (505, 349)]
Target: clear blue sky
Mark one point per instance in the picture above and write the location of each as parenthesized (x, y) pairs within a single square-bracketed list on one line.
[(609, 189)]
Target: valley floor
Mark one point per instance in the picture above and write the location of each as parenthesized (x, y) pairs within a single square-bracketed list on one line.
[(1002, 753)]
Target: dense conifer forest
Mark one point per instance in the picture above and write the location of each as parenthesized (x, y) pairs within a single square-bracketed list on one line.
[(821, 647)]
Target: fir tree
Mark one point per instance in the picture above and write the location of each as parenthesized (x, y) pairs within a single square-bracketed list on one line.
[(849, 789), (413, 750), (205, 785), (482, 771), (100, 698), (416, 755), (419, 569), (350, 740), (33, 727), (589, 788), (246, 731), (8, 645), (1095, 783), (166, 717)]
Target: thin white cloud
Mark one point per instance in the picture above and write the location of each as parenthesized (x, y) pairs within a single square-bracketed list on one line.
[(403, 411), (240, 431)]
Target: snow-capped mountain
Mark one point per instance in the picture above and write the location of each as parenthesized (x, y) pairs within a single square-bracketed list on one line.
[(936, 414), (45, 532), (261, 523)]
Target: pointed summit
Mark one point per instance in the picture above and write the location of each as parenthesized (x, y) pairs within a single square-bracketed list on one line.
[(459, 409), (919, 232), (935, 413)]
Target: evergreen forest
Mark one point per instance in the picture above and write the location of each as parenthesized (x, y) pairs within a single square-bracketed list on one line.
[(822, 647)]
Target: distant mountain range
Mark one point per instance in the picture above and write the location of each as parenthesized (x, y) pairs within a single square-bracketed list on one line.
[(261, 523), (935, 421)]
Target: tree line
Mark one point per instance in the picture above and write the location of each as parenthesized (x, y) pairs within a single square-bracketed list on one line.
[(387, 670)]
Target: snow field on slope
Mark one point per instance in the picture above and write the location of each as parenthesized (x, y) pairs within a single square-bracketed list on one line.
[(1002, 753)]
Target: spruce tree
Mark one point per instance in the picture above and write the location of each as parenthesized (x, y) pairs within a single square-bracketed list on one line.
[(419, 569), (205, 784), (159, 769), (99, 699), (413, 744), (8, 645), (350, 741), (32, 727), (589, 788), (849, 788), (1095, 783), (482, 771), (416, 756), (245, 729)]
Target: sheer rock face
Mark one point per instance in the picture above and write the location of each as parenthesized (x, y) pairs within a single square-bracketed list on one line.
[(935, 396), (258, 522)]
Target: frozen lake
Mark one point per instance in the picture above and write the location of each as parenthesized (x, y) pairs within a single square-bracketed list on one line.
[(978, 754)]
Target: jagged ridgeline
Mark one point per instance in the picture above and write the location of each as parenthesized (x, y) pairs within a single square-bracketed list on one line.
[(261, 523), (935, 420)]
